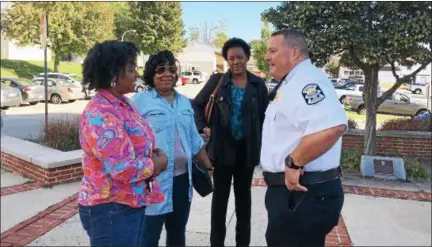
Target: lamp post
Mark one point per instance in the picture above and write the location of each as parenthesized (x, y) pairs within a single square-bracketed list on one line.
[(133, 31)]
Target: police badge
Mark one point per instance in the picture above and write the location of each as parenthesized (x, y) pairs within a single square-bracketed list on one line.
[(312, 94)]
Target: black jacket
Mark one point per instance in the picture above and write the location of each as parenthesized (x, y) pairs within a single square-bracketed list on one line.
[(222, 146)]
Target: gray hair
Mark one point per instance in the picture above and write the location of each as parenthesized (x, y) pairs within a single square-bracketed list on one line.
[(295, 39)]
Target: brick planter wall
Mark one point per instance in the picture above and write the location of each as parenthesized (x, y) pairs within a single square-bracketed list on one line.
[(409, 143), (46, 177)]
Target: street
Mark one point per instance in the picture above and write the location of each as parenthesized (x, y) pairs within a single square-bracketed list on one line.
[(27, 121)]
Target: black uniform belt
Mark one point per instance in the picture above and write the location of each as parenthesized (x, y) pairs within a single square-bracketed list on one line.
[(306, 179)]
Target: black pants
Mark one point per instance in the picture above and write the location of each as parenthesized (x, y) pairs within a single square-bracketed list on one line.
[(222, 175), (303, 219)]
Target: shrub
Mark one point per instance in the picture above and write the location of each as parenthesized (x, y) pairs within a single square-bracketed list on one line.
[(61, 134), (407, 125), (415, 169), (351, 159), (352, 124)]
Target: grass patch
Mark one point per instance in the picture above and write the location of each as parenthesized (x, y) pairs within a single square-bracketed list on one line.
[(415, 169), (62, 134), (29, 69)]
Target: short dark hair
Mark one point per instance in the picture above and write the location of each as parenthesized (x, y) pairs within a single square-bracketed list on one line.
[(106, 60), (235, 42), (160, 59), (294, 38)]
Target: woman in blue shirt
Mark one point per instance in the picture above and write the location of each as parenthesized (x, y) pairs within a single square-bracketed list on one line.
[(172, 119)]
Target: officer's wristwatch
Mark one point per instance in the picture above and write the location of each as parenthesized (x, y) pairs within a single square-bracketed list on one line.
[(289, 162)]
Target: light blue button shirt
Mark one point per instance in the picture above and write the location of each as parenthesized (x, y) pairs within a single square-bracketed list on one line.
[(163, 119)]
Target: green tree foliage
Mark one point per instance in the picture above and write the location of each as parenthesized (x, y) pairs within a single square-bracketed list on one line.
[(370, 35), (122, 19), (73, 26), (259, 50), (159, 26)]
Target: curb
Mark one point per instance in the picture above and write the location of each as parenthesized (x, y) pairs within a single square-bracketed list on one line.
[(19, 188), (31, 229)]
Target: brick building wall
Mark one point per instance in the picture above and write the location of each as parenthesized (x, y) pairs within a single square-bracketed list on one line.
[(412, 144)]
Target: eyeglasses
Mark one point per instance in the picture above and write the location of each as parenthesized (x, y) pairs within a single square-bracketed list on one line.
[(161, 69)]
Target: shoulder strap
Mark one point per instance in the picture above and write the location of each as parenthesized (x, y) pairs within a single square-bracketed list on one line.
[(209, 106)]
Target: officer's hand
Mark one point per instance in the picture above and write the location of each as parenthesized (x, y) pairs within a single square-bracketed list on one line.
[(292, 179)]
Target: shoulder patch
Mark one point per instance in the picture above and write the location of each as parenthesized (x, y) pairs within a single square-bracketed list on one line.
[(312, 94)]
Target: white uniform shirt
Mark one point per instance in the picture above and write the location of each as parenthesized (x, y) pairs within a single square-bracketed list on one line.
[(305, 103)]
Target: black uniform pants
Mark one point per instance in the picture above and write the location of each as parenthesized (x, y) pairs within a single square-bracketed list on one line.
[(222, 176), (303, 219)]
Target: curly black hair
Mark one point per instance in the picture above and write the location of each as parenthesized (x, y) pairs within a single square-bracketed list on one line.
[(161, 58), (236, 42), (106, 60)]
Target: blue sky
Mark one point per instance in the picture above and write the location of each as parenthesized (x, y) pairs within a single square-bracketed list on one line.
[(243, 19)]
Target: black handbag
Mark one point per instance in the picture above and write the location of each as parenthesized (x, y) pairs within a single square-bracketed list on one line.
[(201, 180)]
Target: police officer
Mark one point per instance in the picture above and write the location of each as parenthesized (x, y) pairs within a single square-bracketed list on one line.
[(301, 147)]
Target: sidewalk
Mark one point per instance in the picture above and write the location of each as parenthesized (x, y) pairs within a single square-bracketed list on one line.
[(48, 216)]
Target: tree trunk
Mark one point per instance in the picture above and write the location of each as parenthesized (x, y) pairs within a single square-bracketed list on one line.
[(370, 99), (56, 62)]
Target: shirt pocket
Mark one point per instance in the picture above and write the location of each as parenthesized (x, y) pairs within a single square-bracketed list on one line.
[(158, 120), (185, 117)]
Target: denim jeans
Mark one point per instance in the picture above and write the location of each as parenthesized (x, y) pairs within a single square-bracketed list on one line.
[(175, 222), (113, 224)]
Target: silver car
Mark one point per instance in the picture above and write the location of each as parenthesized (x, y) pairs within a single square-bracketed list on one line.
[(71, 78), (31, 92), (396, 104), (60, 91), (10, 97)]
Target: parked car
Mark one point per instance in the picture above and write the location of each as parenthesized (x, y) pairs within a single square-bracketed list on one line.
[(71, 78), (424, 116), (396, 104), (195, 77), (185, 80), (417, 88), (357, 78), (351, 89), (10, 97), (60, 91), (140, 85), (31, 92)]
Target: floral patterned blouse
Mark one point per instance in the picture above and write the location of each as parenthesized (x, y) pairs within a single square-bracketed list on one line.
[(117, 144)]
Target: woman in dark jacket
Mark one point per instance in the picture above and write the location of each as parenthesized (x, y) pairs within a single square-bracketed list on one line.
[(234, 133)]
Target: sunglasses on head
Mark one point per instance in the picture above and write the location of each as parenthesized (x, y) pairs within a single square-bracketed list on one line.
[(161, 69)]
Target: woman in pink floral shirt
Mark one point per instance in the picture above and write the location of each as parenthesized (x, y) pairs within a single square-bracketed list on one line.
[(119, 158)]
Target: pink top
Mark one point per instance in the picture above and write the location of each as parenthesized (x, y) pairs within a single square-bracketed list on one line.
[(117, 143)]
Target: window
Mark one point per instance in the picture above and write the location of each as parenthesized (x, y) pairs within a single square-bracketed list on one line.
[(346, 72), (361, 88), (197, 73), (350, 86)]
